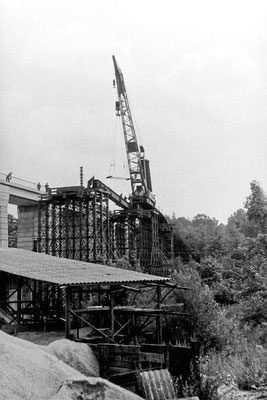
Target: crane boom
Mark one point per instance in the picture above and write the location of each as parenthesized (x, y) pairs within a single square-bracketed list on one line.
[(137, 164)]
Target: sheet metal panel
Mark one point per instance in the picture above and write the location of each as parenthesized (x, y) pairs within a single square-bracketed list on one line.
[(64, 271), (157, 385)]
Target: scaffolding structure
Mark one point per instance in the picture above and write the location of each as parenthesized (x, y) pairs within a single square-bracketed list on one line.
[(76, 222)]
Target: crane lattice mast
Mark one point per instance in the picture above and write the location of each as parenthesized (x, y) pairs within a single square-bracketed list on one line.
[(137, 164)]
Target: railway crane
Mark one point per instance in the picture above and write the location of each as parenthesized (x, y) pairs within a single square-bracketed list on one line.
[(137, 163), (149, 227)]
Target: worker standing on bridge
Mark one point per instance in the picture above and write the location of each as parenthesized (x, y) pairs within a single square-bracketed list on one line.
[(9, 177), (39, 186)]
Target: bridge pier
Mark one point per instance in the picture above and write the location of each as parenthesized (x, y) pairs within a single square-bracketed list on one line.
[(27, 226), (4, 200), (26, 198)]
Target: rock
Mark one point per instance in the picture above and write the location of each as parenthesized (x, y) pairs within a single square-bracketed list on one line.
[(95, 388), (77, 355), (230, 392), (189, 398), (28, 371)]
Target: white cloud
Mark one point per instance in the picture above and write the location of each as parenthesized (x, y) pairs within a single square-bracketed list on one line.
[(195, 73), (70, 46), (226, 84)]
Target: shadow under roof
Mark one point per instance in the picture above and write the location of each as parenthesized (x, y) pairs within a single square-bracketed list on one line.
[(62, 271)]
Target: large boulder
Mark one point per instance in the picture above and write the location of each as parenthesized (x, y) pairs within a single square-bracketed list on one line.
[(28, 371), (77, 355)]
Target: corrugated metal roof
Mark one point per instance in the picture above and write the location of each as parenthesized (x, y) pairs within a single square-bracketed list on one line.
[(64, 271)]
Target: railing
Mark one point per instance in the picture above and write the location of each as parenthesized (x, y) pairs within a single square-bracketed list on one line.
[(9, 178)]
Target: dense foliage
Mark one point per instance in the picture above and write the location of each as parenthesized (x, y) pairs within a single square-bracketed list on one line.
[(225, 267)]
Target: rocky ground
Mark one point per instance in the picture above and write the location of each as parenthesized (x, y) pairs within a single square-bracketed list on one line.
[(230, 391)]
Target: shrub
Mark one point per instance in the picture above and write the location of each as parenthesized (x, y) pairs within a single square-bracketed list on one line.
[(246, 364), (206, 321)]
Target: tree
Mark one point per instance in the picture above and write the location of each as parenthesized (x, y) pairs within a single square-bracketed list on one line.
[(205, 321), (201, 237), (12, 231), (256, 205), (181, 244), (207, 236), (237, 228), (253, 285)]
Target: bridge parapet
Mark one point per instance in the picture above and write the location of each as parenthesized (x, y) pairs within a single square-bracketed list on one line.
[(14, 181), (21, 192)]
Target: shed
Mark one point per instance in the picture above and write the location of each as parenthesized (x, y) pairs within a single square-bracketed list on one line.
[(37, 289), (43, 291)]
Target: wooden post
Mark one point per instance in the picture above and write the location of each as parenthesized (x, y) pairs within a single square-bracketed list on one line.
[(58, 305), (67, 313), (99, 303), (34, 302), (112, 314), (134, 328), (158, 318), (104, 361), (19, 301)]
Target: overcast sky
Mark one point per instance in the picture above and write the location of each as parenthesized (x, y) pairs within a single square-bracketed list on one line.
[(196, 76)]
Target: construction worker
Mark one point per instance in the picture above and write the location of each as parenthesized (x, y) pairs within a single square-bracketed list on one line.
[(9, 177)]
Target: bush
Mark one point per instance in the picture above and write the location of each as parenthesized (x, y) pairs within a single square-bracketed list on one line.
[(207, 321), (245, 364), (229, 346)]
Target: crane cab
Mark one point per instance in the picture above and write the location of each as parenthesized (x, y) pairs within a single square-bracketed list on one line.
[(118, 108)]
